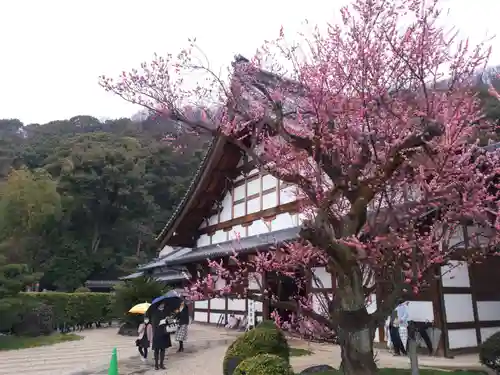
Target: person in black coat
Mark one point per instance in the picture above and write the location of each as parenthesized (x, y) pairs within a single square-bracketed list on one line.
[(161, 338)]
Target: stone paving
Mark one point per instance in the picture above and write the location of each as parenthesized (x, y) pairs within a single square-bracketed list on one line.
[(204, 352)]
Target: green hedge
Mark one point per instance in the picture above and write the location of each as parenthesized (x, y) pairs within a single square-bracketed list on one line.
[(264, 364), (74, 308)]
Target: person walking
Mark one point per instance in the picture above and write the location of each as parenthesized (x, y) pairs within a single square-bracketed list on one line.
[(182, 331), (394, 333), (161, 341), (144, 337), (403, 318)]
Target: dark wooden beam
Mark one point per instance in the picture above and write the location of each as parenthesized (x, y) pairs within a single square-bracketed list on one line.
[(273, 211)]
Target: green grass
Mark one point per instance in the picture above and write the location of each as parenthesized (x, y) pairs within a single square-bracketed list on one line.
[(298, 352), (17, 342), (394, 371)]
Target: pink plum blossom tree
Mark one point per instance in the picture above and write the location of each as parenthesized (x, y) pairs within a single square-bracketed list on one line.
[(374, 121)]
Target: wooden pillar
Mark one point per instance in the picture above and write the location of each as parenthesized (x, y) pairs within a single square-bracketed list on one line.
[(474, 291)]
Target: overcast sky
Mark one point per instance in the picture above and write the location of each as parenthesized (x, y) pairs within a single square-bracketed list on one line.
[(53, 51)]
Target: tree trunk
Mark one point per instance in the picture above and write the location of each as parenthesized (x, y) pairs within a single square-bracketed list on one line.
[(357, 353), (356, 346)]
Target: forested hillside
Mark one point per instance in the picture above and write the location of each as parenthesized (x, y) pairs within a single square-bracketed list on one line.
[(83, 199)]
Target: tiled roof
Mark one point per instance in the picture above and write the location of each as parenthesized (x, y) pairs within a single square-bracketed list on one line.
[(244, 245), (161, 261)]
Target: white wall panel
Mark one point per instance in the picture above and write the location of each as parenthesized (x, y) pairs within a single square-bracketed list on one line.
[(214, 318), (236, 304), (321, 278), (237, 232), (458, 308), (269, 200), (213, 219), (284, 221), (227, 204), (421, 311), (253, 187), (487, 332), (200, 317), (219, 236), (201, 304), (239, 210), (218, 304), (253, 205), (269, 182), (257, 227), (288, 194), (488, 310), (239, 192), (462, 338), (204, 240), (455, 274)]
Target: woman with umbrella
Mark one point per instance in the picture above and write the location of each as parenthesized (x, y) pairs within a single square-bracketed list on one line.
[(144, 331), (160, 309)]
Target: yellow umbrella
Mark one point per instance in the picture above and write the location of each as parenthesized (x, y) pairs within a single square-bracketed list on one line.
[(140, 308)]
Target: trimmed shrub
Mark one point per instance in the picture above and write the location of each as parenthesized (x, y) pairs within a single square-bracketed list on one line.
[(37, 321), (264, 364), (74, 308), (264, 339), (489, 352)]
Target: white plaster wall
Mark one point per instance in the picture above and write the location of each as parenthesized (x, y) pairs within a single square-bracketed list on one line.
[(288, 194), (488, 310), (458, 308), (239, 192), (219, 236), (284, 221), (220, 283), (253, 205), (200, 317), (201, 304), (218, 304), (455, 274), (236, 304), (322, 278), (226, 213), (214, 318), (269, 182), (204, 240), (269, 200), (257, 227), (258, 319), (462, 338), (239, 210), (487, 332), (237, 232), (253, 187), (421, 311), (259, 306)]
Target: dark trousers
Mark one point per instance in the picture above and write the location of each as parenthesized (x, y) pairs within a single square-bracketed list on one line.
[(143, 352), (396, 340), (159, 357), (425, 336)]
